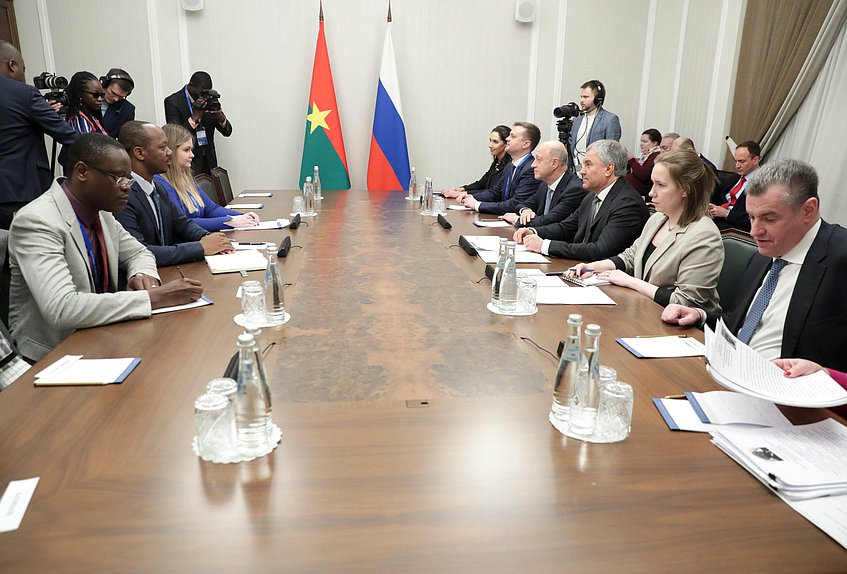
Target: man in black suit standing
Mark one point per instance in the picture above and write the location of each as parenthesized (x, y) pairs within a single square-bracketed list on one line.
[(192, 108), (25, 116), (149, 216), (791, 301), (115, 108), (559, 193), (729, 204), (607, 221)]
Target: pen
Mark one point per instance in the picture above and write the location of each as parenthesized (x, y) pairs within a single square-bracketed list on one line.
[(249, 242), (181, 274), (656, 336), (583, 270), (554, 273), (674, 397)]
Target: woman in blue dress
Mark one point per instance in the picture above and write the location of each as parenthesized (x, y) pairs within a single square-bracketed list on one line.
[(187, 196)]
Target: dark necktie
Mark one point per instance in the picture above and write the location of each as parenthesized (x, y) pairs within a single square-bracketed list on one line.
[(158, 209), (595, 208), (757, 309), (509, 175), (549, 200)]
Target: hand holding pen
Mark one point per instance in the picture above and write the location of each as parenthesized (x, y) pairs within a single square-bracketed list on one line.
[(581, 271)]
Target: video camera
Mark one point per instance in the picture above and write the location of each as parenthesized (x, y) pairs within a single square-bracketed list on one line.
[(566, 112), (213, 102), (56, 85)]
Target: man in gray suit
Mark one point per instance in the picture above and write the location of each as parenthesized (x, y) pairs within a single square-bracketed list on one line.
[(594, 123), (67, 251)]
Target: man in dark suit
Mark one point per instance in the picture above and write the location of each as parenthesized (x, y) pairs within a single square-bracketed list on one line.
[(190, 108), (517, 184), (25, 116), (687, 144), (115, 108), (607, 221), (149, 216), (728, 206), (791, 301), (559, 193)]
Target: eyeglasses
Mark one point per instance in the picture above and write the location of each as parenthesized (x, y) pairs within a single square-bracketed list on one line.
[(120, 180), (95, 95)]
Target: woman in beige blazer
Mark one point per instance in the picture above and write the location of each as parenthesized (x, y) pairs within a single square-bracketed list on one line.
[(679, 255)]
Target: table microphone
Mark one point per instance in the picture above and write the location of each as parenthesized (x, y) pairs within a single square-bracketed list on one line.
[(295, 223), (284, 247), (442, 221), (466, 245)]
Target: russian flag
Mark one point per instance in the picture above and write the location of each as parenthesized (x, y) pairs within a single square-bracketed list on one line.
[(388, 163)]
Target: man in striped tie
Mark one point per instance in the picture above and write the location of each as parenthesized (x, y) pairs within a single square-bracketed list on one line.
[(790, 301), (729, 203)]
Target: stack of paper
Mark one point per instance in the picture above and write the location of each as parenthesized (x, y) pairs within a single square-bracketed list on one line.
[(272, 224), (662, 347), (488, 249), (242, 260), (737, 367), (704, 412), (800, 463), (74, 370)]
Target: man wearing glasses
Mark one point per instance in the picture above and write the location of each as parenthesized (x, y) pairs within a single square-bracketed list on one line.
[(68, 255)]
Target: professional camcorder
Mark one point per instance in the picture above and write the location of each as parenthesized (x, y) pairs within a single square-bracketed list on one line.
[(566, 113), (56, 85), (213, 102), (570, 110)]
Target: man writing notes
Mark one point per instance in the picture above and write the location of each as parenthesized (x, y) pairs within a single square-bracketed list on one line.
[(607, 221), (150, 216), (67, 251), (517, 184), (791, 301), (729, 204), (559, 193)]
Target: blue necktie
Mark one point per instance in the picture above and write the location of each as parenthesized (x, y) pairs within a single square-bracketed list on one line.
[(508, 177), (549, 198), (757, 309), (159, 225)]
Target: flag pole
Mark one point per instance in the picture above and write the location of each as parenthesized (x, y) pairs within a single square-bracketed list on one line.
[(389, 11), (322, 11)]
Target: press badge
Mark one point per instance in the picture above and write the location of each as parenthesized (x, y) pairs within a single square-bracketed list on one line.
[(201, 137)]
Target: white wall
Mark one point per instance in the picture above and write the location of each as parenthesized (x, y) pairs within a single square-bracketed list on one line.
[(464, 67)]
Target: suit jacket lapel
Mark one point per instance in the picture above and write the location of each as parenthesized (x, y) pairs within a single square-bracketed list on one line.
[(805, 289), (69, 215), (666, 243), (141, 198), (605, 207), (167, 224)]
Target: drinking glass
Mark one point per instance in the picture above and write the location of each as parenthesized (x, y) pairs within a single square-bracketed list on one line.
[(438, 205), (527, 294), (214, 419), (253, 302), (614, 415), (297, 205)]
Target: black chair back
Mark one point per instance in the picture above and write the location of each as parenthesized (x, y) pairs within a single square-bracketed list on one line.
[(738, 249), (222, 183), (207, 184)]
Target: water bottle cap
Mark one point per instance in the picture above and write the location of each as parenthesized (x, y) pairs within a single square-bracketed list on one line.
[(270, 247), (575, 319), (308, 179), (245, 340), (592, 329)]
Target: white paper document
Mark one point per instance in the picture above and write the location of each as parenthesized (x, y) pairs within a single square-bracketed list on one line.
[(255, 194), (457, 207), (270, 224), (829, 514), (737, 367), (705, 412), (241, 260), (491, 223), (520, 257), (489, 243), (245, 206), (572, 296), (201, 302), (74, 370), (14, 503), (661, 347)]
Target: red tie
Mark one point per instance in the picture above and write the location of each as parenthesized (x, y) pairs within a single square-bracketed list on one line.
[(733, 193)]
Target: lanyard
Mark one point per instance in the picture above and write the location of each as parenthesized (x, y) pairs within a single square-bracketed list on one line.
[(188, 101), (95, 272)]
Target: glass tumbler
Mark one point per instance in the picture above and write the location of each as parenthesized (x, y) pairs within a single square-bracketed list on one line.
[(214, 419), (527, 294), (614, 415), (253, 302), (438, 205), (297, 205)]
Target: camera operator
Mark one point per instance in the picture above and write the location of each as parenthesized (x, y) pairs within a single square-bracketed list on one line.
[(25, 116), (595, 122), (197, 108), (116, 110)]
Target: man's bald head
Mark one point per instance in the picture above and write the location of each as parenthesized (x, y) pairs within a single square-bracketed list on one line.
[(11, 61)]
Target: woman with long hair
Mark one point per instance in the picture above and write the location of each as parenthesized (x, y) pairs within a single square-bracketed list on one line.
[(85, 94), (679, 255), (187, 196), (500, 159)]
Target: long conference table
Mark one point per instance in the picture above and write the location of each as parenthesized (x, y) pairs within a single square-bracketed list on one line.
[(415, 432)]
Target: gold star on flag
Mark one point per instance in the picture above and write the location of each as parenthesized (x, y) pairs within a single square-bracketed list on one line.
[(317, 118)]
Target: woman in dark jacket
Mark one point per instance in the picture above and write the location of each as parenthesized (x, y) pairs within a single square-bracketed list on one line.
[(497, 148)]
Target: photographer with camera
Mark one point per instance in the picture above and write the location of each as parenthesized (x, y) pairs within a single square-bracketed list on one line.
[(25, 116), (197, 108)]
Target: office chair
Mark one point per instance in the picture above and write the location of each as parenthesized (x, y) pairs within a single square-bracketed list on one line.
[(207, 184), (738, 249), (222, 184)]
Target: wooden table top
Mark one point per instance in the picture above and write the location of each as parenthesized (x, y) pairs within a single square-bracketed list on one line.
[(386, 314)]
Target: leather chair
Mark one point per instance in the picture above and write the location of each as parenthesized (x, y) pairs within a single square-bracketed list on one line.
[(222, 184), (207, 184), (738, 249)]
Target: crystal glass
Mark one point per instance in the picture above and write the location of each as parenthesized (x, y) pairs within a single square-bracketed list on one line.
[(214, 419), (438, 205), (224, 387), (297, 205), (527, 294), (614, 415), (253, 302)]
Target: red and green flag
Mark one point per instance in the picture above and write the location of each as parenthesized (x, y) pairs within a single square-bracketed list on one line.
[(324, 144)]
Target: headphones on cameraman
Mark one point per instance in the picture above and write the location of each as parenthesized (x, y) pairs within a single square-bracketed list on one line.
[(600, 97), (106, 80)]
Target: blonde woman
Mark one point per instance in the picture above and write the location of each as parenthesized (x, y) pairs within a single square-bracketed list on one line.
[(679, 255), (187, 196)]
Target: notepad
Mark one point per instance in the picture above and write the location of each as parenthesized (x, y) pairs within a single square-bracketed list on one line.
[(457, 207), (704, 412), (491, 223), (592, 281), (245, 206), (272, 224), (241, 260), (253, 194), (201, 302), (74, 370), (662, 347), (572, 296)]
